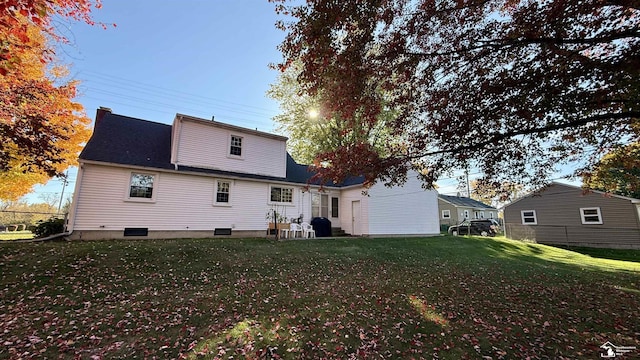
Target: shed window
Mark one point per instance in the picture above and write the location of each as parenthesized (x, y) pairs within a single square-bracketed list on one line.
[(591, 215), (529, 217), (446, 214)]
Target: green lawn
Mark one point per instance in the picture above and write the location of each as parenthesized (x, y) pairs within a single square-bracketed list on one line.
[(442, 297)]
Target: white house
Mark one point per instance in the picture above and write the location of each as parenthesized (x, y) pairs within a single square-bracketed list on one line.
[(203, 178)]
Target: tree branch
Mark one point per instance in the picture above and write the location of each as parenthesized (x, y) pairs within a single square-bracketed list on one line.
[(502, 136)]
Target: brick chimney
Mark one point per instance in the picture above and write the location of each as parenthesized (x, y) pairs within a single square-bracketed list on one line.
[(100, 113)]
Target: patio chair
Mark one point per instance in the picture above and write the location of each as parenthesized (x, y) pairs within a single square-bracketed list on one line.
[(307, 230), (293, 230)]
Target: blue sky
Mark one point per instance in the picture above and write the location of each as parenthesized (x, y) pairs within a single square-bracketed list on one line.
[(197, 57)]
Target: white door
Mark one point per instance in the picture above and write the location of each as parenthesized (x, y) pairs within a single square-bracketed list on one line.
[(355, 218)]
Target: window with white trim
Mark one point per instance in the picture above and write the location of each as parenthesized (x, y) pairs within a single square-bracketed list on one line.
[(235, 148), (446, 214), (465, 214), (223, 191), (529, 217), (319, 205), (481, 214), (281, 194), (490, 214), (591, 215), (141, 186)]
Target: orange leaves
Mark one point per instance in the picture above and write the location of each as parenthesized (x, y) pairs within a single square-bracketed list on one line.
[(16, 16), (42, 128)]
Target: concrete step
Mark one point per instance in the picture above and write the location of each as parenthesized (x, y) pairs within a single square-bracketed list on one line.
[(338, 232)]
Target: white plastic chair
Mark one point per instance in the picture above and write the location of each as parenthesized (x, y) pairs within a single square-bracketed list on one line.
[(307, 230), (294, 229)]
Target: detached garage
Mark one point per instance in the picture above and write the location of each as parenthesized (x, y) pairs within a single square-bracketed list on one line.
[(561, 214)]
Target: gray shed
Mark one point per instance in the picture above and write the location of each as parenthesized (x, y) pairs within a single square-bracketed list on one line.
[(561, 214)]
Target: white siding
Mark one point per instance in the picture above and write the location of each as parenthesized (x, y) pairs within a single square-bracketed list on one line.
[(206, 146), (182, 202), (406, 210)]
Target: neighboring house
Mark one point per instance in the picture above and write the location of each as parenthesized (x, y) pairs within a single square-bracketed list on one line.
[(562, 214), (455, 209), (202, 178)]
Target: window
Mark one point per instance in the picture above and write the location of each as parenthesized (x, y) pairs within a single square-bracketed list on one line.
[(236, 145), (481, 214), (223, 189), (591, 215), (490, 214), (465, 214), (141, 186), (334, 207), (319, 205), (281, 194), (446, 214), (529, 217)]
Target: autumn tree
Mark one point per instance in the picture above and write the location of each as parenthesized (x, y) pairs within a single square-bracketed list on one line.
[(493, 192), (512, 87), (310, 131), (41, 127), (618, 172), (18, 17)]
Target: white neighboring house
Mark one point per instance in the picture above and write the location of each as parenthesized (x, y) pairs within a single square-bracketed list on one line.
[(202, 178)]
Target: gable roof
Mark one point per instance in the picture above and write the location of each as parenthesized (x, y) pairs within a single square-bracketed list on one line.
[(124, 140), (572, 187), (465, 202)]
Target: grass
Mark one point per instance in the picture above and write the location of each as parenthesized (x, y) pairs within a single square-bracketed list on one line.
[(443, 297), (16, 235)]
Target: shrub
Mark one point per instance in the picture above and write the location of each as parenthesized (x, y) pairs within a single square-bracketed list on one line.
[(49, 227)]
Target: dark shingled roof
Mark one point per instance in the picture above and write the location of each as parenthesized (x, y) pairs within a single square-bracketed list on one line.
[(125, 140), (465, 201)]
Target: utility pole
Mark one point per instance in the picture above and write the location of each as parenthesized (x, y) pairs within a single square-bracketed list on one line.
[(466, 173), (64, 185)]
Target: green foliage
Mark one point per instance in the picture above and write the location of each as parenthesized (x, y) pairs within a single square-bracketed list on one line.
[(312, 129), (618, 172), (49, 227)]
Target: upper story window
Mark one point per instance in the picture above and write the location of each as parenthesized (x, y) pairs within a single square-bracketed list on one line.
[(591, 215), (281, 194), (223, 190), (446, 214), (529, 217), (141, 186), (235, 145)]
